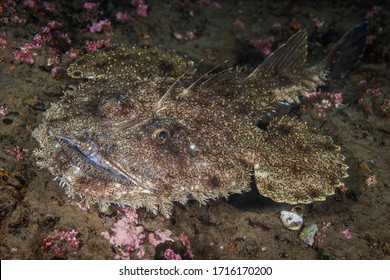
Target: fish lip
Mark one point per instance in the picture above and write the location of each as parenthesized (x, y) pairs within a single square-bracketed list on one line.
[(142, 181), (93, 161)]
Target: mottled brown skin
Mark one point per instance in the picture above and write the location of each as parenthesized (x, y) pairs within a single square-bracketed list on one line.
[(146, 130)]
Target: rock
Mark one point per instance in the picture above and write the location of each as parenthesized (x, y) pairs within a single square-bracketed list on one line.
[(308, 233), (291, 220)]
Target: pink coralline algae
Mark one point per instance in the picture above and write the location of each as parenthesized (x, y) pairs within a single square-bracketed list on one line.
[(373, 100), (277, 26), (123, 17), (264, 44), (90, 5), (318, 23), (92, 46), (186, 242), (169, 254), (167, 235), (25, 53), (103, 24), (3, 110), (319, 102), (384, 108), (54, 23), (3, 39), (28, 3), (127, 235), (163, 235), (142, 8), (371, 181), (239, 23), (177, 36), (49, 6), (65, 36), (322, 233), (18, 153), (54, 59), (346, 233), (74, 52), (190, 35), (369, 14), (61, 242), (374, 91)]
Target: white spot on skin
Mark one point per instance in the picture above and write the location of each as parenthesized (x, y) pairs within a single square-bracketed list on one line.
[(192, 147), (76, 169), (117, 185), (56, 145), (262, 174)]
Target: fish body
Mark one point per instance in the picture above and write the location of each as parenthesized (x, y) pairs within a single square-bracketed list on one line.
[(143, 129)]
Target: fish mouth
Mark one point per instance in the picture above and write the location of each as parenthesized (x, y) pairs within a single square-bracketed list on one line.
[(93, 163), (92, 159), (98, 164)]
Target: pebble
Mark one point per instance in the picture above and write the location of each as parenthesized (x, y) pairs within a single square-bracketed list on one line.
[(291, 220), (308, 234), (7, 121)]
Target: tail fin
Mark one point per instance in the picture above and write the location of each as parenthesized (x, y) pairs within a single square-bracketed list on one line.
[(299, 165), (346, 54)]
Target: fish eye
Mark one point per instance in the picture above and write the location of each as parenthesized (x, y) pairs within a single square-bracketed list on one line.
[(160, 135)]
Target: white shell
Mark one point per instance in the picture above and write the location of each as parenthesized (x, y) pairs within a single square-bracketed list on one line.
[(291, 220), (308, 234)]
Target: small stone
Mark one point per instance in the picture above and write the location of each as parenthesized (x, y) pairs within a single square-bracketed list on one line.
[(308, 233), (291, 220), (7, 121)]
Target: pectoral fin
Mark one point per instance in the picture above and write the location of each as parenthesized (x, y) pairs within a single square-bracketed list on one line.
[(300, 165)]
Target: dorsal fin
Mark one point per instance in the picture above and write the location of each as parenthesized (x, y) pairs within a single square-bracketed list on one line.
[(289, 56), (346, 53)]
